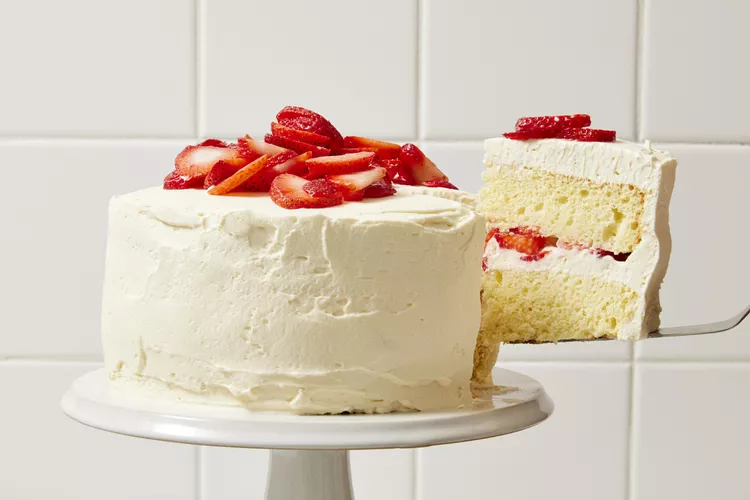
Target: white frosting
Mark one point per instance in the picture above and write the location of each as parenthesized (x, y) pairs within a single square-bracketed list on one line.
[(370, 306), (618, 162)]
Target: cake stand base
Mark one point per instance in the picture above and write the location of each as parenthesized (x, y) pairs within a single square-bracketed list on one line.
[(310, 458)]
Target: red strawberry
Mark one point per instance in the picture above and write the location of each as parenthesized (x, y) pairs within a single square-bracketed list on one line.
[(214, 142), (299, 147), (558, 122), (416, 168), (338, 164), (353, 185), (439, 184), (240, 177), (391, 166), (386, 150), (521, 239), (250, 147), (380, 189), (526, 135), (288, 191), (280, 130), (587, 135), (320, 188), (198, 160), (222, 170), (174, 180), (285, 163), (309, 121)]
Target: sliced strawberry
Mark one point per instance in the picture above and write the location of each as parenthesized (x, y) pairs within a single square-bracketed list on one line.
[(309, 121), (285, 163), (346, 151), (198, 160), (222, 170), (280, 130), (380, 189), (587, 135), (288, 191), (391, 166), (214, 142), (521, 239), (558, 122), (174, 180), (353, 185), (250, 147), (320, 188), (527, 135), (240, 177), (343, 164), (299, 147), (386, 150), (416, 168), (439, 184)]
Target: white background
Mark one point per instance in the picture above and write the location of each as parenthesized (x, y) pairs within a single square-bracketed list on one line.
[(97, 97)]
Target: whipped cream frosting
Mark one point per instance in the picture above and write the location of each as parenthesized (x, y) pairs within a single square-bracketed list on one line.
[(367, 307), (618, 162)]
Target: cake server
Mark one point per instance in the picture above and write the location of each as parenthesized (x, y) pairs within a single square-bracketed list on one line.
[(685, 331)]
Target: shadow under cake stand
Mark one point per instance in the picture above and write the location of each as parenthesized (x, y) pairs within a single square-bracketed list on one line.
[(310, 454)]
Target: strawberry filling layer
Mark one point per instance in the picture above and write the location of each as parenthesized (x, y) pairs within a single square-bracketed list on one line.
[(535, 246)]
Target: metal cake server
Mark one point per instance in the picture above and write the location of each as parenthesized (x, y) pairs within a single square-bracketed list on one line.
[(685, 331)]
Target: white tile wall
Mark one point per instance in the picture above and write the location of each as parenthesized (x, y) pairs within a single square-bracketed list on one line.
[(92, 92)]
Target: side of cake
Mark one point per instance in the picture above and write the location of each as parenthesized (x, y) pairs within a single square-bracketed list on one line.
[(578, 240)]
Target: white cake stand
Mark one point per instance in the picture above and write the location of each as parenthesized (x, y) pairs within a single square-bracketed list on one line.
[(310, 458)]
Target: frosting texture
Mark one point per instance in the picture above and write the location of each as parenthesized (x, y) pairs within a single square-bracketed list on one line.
[(363, 307)]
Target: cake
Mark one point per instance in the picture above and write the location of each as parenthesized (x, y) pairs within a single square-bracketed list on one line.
[(272, 275), (578, 235)]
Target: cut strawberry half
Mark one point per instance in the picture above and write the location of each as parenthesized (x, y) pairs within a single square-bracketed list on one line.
[(380, 189), (299, 147), (416, 168), (558, 122), (250, 147), (280, 130), (439, 184), (527, 135), (174, 180), (309, 121), (285, 163), (329, 165), (222, 170), (385, 150), (240, 177), (194, 161), (587, 135), (288, 191), (352, 185)]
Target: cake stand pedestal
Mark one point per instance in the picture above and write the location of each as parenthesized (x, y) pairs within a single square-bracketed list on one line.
[(310, 454)]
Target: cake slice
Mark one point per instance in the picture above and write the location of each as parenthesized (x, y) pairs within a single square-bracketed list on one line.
[(578, 237)]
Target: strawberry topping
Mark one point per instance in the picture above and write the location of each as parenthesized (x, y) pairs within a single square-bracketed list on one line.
[(416, 168), (385, 150), (288, 191), (353, 185), (198, 160), (280, 130), (343, 164), (554, 123), (380, 189), (439, 184), (320, 188), (527, 135), (250, 147), (299, 147), (309, 121), (174, 180), (222, 170), (240, 177), (288, 162), (587, 135)]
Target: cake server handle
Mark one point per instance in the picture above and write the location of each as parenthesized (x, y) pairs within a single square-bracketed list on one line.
[(684, 331)]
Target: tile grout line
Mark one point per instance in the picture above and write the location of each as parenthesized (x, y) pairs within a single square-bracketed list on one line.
[(199, 59), (630, 464), (639, 63), (420, 106)]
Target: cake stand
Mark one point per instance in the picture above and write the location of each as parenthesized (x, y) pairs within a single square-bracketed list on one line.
[(310, 454)]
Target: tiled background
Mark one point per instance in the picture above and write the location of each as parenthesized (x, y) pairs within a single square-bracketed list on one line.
[(96, 98)]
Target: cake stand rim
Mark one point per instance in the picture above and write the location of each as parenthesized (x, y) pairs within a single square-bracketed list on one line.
[(89, 401)]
